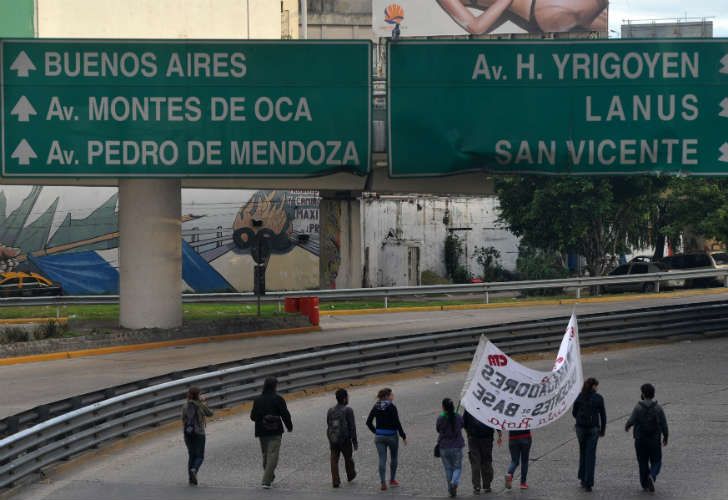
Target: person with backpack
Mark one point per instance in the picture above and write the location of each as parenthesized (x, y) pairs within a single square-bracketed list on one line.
[(270, 413), (650, 434), (591, 424), (385, 431), (194, 413), (450, 443), (341, 432), (519, 445), (480, 452)]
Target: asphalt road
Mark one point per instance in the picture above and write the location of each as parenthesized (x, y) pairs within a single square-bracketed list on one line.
[(690, 377), (32, 384)]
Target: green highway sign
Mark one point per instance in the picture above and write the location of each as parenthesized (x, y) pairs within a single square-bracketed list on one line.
[(558, 107), (154, 108)]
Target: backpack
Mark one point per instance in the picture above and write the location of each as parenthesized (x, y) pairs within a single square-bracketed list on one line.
[(649, 423), (585, 413), (337, 430), (272, 423), (190, 418)]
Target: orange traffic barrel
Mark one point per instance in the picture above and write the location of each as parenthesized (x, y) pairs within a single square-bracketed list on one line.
[(290, 304), (304, 305), (313, 314)]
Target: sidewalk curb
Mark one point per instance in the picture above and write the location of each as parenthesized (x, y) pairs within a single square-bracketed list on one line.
[(52, 356), (498, 305), (25, 321)]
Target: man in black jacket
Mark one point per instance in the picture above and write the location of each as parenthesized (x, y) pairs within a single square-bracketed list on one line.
[(269, 414), (650, 424), (341, 432), (480, 452)]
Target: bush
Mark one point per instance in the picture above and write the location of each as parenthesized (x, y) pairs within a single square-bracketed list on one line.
[(487, 258), (14, 334), (536, 264), (430, 277), (453, 251), (50, 330), (461, 275)]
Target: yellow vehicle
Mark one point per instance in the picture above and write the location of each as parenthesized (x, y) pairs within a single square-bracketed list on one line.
[(17, 284)]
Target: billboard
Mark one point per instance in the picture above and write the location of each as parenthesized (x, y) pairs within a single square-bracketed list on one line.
[(678, 29), (480, 17)]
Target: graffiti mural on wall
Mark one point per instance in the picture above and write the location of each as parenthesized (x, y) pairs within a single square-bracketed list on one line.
[(71, 236), (331, 245), (267, 214)]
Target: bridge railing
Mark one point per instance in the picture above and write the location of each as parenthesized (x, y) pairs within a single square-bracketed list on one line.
[(385, 293)]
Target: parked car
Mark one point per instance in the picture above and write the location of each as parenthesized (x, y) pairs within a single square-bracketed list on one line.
[(637, 267), (698, 261), (640, 258), (16, 284)]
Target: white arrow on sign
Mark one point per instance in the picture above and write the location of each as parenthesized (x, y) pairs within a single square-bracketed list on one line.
[(724, 108), (724, 61), (24, 153), (724, 153), (22, 64), (24, 110)]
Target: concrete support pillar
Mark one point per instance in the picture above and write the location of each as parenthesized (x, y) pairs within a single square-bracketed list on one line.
[(150, 253), (341, 249)]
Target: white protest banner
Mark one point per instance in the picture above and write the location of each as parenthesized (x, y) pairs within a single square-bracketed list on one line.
[(504, 394), (474, 365), (478, 17)]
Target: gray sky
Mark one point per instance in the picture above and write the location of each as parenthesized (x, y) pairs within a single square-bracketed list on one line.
[(662, 9)]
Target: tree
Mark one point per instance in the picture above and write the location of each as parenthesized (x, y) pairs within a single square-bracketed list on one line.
[(453, 251), (487, 258), (697, 205), (595, 217)]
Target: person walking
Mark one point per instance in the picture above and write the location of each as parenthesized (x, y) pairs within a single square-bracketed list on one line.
[(650, 427), (341, 432), (450, 440), (519, 445), (480, 452), (194, 413), (386, 432), (591, 424), (270, 413)]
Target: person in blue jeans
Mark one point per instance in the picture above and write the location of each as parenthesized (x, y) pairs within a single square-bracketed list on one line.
[(194, 420), (519, 444), (591, 424), (449, 428), (387, 432)]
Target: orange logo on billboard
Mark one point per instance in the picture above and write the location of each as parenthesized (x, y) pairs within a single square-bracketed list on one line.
[(394, 14)]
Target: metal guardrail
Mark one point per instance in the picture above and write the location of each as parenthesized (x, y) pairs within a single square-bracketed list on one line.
[(577, 284), (54, 433)]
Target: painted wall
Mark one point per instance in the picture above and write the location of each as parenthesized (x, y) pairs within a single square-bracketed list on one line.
[(159, 18), (36, 222), (17, 18), (392, 225)]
